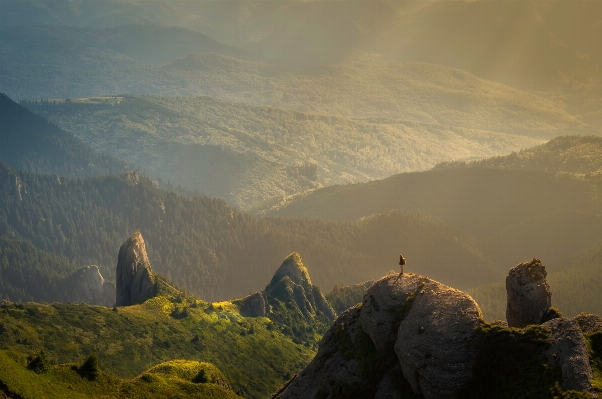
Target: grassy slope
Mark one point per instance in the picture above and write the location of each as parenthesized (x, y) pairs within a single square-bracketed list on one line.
[(254, 355), (241, 152), (167, 380)]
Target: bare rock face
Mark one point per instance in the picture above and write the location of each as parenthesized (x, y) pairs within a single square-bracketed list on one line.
[(529, 294), (436, 340), (135, 282), (254, 305), (380, 303), (331, 365), (569, 351), (88, 286), (589, 323)]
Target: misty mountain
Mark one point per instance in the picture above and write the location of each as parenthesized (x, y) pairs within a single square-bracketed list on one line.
[(29, 142), (537, 44), (408, 91), (516, 213), (249, 154)]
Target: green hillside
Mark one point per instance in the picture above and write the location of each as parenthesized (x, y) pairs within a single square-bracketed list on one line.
[(249, 154), (575, 287), (166, 380), (254, 354), (206, 246)]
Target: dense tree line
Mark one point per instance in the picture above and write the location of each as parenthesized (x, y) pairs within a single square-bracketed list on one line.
[(213, 250)]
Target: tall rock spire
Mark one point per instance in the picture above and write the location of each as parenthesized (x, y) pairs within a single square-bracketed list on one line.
[(135, 281)]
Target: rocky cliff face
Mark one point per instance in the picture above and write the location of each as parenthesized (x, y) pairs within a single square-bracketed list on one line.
[(88, 286), (414, 336), (254, 305), (135, 282), (529, 294)]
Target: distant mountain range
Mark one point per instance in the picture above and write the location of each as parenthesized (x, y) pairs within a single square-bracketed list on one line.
[(538, 44)]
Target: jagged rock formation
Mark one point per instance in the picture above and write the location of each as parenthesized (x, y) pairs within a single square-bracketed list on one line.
[(589, 323), (291, 283), (254, 305), (135, 282), (88, 286), (569, 351), (529, 294)]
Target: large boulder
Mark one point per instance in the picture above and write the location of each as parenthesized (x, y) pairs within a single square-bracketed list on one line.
[(528, 292), (436, 340), (135, 282), (569, 351), (382, 305)]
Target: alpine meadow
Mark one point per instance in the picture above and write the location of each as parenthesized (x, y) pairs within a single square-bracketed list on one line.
[(290, 199)]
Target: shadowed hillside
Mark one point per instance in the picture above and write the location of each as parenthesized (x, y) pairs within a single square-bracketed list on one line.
[(30, 142)]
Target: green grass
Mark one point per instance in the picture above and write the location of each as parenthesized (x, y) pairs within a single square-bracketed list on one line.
[(253, 353), (167, 380)]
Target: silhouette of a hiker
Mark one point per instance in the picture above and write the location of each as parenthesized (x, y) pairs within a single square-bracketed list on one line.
[(402, 261)]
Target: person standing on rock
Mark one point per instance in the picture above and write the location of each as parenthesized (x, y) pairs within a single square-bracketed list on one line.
[(402, 261)]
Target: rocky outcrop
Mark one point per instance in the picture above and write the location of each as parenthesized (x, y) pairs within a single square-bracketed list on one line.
[(254, 305), (529, 294), (87, 285), (436, 340), (569, 351), (382, 305), (291, 284), (431, 327), (413, 333), (589, 323), (135, 282)]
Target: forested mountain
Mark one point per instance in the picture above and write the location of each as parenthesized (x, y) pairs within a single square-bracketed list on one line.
[(516, 213), (409, 91), (248, 154), (213, 250), (30, 142), (577, 155)]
